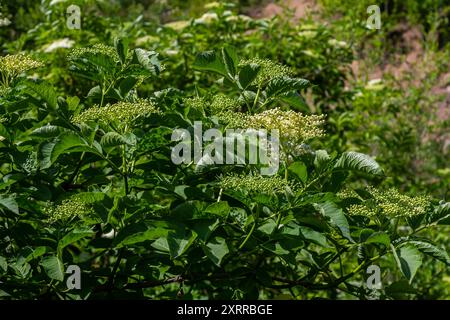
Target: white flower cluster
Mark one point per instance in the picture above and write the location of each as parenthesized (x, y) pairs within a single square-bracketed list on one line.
[(386, 203), (294, 127), (64, 43)]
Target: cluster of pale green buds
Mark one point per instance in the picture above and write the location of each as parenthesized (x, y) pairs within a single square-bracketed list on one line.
[(123, 114), (95, 50), (294, 127), (11, 66), (68, 209), (255, 183)]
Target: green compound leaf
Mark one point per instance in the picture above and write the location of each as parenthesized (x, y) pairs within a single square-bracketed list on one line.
[(281, 85), (216, 250)]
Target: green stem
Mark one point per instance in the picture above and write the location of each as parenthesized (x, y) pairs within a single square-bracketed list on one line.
[(248, 236), (265, 103), (320, 176), (249, 108), (423, 227), (114, 270), (256, 216), (105, 92), (113, 165), (278, 220), (255, 102), (103, 95)]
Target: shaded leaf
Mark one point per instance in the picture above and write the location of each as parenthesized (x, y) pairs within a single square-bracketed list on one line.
[(216, 250), (248, 74), (10, 203), (294, 99), (44, 91), (300, 171), (209, 61), (219, 208), (65, 143), (53, 267), (179, 242), (48, 131), (313, 236), (440, 215), (3, 264), (74, 236), (408, 259), (112, 139), (121, 46), (379, 237), (431, 250)]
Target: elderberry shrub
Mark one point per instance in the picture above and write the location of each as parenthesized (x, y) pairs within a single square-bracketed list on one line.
[(87, 176)]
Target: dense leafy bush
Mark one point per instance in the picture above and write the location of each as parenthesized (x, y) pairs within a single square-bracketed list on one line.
[(88, 177)]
